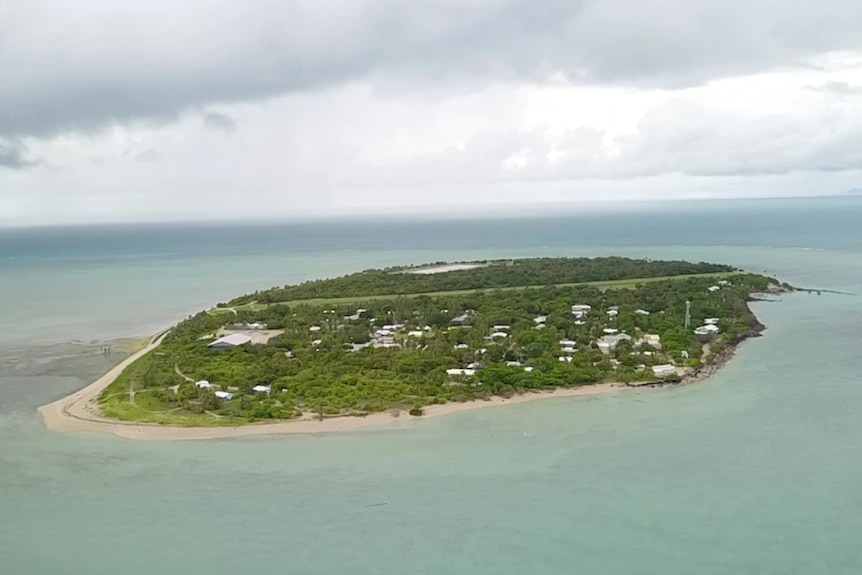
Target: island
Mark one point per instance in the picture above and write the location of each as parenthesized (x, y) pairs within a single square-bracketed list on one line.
[(422, 340)]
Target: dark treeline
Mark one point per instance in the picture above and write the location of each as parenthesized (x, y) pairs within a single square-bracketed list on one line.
[(494, 274)]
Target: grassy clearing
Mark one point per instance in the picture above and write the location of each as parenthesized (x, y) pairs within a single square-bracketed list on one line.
[(603, 285), (118, 407)]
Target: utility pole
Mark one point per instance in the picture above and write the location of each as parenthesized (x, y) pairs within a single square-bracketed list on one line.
[(687, 314)]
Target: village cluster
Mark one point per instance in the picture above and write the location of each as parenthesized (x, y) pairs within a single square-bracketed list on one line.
[(647, 346)]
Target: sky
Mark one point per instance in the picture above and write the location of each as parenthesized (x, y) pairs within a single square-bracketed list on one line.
[(120, 110)]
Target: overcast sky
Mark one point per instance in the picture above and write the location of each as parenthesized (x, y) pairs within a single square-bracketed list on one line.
[(121, 110)]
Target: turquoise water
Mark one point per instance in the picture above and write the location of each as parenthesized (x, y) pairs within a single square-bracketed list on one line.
[(757, 471)]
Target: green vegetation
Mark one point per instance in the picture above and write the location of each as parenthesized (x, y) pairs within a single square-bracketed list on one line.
[(491, 275), (508, 327)]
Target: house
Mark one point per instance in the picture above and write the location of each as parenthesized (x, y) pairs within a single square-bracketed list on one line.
[(499, 335), (568, 343), (613, 312), (713, 288), (415, 334), (567, 358), (724, 283), (580, 310), (317, 342), (650, 339), (528, 369), (224, 395), (710, 329), (539, 326), (474, 365), (501, 328), (314, 328), (462, 346), (256, 325), (230, 341), (711, 321), (663, 370), (459, 373), (460, 320), (610, 330), (203, 384), (540, 319), (262, 389), (580, 322), (513, 364), (641, 312), (608, 343), (568, 349)]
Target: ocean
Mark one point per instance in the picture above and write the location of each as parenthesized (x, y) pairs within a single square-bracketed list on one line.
[(756, 471)]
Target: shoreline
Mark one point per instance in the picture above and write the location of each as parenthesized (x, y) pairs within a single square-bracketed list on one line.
[(79, 412)]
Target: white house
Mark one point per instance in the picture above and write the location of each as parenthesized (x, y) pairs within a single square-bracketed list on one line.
[(568, 349), (314, 328), (567, 358), (224, 395), (609, 343), (663, 370), (262, 389), (317, 342), (415, 333), (499, 335), (641, 312), (613, 313), (707, 330), (568, 343), (540, 319), (610, 330), (513, 364), (711, 321), (501, 328), (539, 326), (455, 373), (713, 288), (650, 339), (462, 346), (580, 310), (229, 341), (528, 369), (203, 384)]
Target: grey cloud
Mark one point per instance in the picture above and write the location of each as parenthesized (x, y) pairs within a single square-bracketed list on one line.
[(79, 68), (14, 154), (679, 137), (136, 151), (219, 121), (148, 155)]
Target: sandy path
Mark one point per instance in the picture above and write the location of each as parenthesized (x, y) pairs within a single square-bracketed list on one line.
[(79, 411)]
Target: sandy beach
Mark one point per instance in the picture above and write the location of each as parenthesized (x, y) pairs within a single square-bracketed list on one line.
[(79, 412)]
